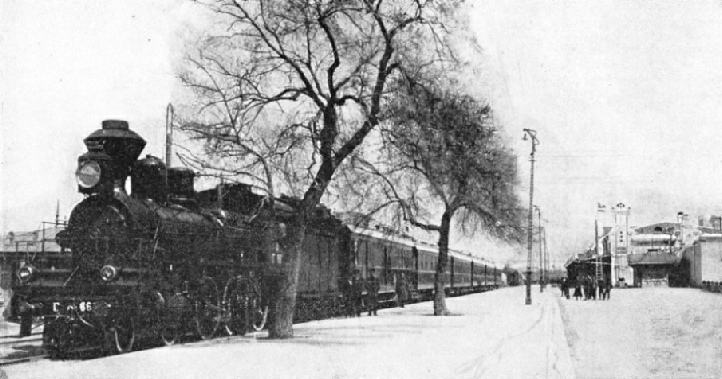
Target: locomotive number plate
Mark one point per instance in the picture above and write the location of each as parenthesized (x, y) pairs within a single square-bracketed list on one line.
[(83, 306)]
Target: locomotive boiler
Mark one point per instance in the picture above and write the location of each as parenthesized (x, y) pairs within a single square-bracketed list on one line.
[(152, 262)]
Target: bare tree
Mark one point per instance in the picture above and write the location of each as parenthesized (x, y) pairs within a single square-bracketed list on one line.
[(443, 154), (288, 89)]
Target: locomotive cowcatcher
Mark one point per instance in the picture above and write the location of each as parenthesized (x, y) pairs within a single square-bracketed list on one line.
[(155, 262)]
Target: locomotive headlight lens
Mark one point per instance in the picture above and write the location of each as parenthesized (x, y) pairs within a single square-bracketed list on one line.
[(88, 174), (108, 273), (25, 273)]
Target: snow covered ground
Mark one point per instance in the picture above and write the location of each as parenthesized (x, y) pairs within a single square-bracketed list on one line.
[(492, 335), (639, 333), (646, 333)]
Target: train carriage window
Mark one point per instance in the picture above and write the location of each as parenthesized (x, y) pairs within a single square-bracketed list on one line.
[(329, 262), (387, 266), (356, 247), (322, 263)]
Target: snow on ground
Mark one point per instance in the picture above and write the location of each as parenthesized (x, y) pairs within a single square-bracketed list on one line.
[(492, 335), (639, 333), (646, 333)]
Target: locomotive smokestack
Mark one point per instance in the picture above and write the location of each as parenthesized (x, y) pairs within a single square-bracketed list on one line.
[(112, 151), (117, 141)]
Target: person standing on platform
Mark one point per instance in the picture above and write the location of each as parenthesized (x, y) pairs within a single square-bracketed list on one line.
[(577, 290), (607, 289), (372, 293), (592, 288)]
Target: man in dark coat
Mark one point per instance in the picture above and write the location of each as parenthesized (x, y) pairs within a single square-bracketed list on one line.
[(577, 290), (588, 288), (607, 289), (372, 293)]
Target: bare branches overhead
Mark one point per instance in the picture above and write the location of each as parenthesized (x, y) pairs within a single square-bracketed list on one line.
[(312, 64), (289, 89)]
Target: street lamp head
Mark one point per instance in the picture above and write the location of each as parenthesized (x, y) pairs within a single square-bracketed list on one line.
[(530, 133)]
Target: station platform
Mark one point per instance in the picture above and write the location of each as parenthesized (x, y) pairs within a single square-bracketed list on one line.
[(490, 335)]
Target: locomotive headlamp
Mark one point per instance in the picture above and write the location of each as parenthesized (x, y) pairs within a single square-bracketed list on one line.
[(25, 273), (108, 273), (88, 174)]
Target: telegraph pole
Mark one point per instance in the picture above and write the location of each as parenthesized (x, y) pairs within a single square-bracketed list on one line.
[(541, 251), (534, 141)]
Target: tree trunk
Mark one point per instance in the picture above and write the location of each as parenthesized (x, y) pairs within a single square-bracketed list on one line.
[(283, 303), (440, 276)]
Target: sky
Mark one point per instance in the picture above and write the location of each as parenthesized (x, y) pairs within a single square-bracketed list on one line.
[(624, 96)]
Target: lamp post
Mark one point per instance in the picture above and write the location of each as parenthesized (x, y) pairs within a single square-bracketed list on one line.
[(541, 251), (534, 141)]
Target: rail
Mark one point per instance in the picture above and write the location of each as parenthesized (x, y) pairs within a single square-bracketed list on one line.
[(16, 350)]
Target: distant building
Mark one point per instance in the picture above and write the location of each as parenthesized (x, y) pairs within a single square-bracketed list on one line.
[(18, 248), (657, 251), (659, 254), (32, 241), (703, 261)]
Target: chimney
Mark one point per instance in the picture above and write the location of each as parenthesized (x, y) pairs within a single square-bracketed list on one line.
[(716, 222)]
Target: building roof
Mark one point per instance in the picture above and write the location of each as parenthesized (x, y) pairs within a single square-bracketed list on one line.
[(32, 241), (658, 228), (653, 259)]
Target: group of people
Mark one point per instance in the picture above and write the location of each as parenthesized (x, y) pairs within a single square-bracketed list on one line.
[(354, 287), (588, 288)]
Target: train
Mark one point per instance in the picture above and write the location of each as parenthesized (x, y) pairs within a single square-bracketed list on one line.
[(164, 261)]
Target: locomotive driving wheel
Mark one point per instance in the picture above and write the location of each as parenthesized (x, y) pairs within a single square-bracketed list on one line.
[(242, 299), (171, 334), (207, 309), (124, 332), (259, 313), (235, 300)]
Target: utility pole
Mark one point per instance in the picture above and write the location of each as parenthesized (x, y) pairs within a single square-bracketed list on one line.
[(546, 256), (541, 251), (534, 141)]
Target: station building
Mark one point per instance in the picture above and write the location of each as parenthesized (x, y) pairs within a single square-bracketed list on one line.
[(660, 254)]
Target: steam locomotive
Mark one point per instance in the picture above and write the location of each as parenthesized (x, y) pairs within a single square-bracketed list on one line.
[(166, 261)]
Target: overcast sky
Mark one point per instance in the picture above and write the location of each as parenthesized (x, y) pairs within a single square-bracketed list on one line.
[(625, 97)]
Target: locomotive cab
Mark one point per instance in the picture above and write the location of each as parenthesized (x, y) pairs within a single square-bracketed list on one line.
[(148, 179)]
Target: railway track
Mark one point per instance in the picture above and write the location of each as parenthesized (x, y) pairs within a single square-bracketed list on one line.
[(30, 358), (15, 349)]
